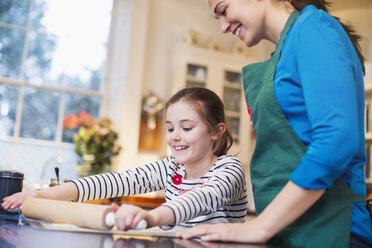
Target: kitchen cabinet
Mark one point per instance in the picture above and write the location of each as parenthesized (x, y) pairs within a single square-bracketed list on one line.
[(368, 135), (221, 72)]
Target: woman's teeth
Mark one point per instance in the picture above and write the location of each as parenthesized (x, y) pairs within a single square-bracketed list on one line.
[(237, 32)]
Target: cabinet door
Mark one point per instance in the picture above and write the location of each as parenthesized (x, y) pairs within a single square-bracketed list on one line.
[(232, 98), (368, 129), (196, 75)]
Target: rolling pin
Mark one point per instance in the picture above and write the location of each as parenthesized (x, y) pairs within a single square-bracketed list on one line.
[(64, 212)]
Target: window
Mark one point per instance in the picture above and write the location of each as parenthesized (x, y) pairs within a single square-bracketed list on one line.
[(52, 56)]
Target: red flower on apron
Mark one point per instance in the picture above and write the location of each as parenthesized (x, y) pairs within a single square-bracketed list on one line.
[(250, 119), (177, 179)]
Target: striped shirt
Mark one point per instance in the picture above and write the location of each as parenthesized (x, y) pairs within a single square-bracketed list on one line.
[(218, 196)]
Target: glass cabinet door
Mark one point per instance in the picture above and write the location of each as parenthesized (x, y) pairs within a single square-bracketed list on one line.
[(232, 94), (196, 76)]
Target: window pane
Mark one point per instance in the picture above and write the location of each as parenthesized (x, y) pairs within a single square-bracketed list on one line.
[(37, 162), (37, 13), (76, 103), (14, 12), (232, 98), (233, 77), (39, 114), (11, 49), (80, 43), (196, 75), (5, 154), (41, 49), (8, 107), (234, 125)]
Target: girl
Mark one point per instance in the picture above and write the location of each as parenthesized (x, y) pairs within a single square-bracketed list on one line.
[(202, 183), (307, 108)]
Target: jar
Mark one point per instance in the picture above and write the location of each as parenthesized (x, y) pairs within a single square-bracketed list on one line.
[(10, 182)]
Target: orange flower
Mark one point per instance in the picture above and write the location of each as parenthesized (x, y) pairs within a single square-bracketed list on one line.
[(85, 119), (70, 122)]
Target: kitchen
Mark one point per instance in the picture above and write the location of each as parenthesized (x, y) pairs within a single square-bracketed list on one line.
[(146, 62)]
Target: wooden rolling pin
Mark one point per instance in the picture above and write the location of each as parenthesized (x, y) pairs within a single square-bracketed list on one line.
[(65, 212)]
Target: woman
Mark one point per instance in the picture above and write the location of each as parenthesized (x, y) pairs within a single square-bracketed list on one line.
[(307, 109)]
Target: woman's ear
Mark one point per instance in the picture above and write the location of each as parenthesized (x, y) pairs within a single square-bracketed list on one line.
[(219, 131)]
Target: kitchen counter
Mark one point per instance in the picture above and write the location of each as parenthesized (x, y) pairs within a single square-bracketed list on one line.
[(13, 233)]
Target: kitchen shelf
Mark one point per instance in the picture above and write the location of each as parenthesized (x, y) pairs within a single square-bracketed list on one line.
[(232, 85)]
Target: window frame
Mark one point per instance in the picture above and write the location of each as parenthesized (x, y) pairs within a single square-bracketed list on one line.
[(57, 143)]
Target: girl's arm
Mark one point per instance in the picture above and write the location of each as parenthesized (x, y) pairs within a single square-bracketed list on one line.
[(287, 206), (144, 179), (226, 186), (128, 216), (67, 191)]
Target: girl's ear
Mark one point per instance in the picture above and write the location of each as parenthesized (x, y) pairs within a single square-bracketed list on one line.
[(219, 131)]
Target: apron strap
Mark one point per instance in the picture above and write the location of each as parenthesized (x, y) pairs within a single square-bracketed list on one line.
[(283, 34)]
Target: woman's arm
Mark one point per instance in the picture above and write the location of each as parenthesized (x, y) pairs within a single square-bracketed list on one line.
[(287, 206)]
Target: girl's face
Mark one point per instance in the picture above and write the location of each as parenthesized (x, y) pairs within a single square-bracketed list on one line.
[(243, 18), (188, 136)]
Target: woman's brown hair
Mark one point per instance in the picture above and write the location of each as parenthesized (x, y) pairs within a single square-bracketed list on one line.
[(211, 111), (323, 4)]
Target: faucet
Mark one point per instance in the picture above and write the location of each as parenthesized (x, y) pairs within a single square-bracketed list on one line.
[(54, 161)]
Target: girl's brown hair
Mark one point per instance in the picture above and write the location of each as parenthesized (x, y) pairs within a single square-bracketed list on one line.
[(211, 111), (323, 4)]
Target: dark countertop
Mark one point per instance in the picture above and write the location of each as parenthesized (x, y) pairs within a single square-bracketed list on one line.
[(14, 233)]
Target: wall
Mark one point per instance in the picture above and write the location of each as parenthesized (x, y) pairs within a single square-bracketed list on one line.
[(360, 17), (164, 24), (169, 20)]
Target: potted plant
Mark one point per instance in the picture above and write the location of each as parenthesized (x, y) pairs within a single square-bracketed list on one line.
[(95, 143)]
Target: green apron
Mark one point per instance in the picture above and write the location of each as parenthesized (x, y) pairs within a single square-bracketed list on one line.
[(277, 153)]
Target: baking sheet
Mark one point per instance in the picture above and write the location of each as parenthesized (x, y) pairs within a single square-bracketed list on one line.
[(154, 231)]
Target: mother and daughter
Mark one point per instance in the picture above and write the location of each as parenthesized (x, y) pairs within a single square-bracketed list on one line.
[(307, 109)]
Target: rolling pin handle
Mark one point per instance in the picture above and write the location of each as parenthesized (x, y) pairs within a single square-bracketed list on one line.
[(110, 219), (110, 222), (141, 225)]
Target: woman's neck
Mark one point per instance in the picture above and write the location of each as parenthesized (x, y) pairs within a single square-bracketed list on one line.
[(276, 18)]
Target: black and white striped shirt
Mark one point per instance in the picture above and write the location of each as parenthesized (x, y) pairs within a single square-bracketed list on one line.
[(218, 196)]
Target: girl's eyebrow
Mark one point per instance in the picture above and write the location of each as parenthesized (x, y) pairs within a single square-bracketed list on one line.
[(183, 120)]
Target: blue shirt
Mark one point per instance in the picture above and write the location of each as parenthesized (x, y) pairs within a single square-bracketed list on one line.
[(319, 86)]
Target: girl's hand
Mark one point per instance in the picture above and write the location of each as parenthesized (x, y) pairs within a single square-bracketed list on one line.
[(247, 232), (16, 200), (128, 216)]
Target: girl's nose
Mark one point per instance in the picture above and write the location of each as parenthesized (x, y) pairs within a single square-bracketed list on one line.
[(176, 135)]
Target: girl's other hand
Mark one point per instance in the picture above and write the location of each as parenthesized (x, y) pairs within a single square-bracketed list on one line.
[(128, 216), (16, 200)]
